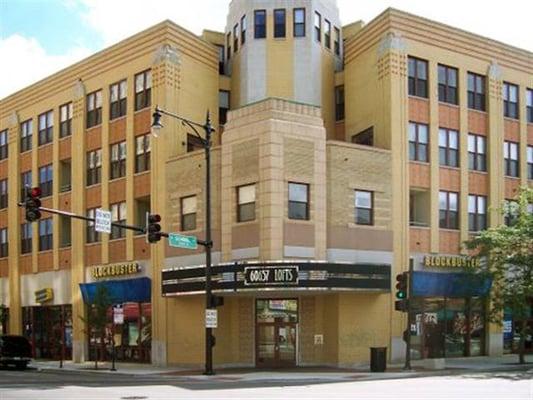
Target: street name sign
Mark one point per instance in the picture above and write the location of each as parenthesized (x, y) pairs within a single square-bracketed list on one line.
[(102, 221), (182, 241)]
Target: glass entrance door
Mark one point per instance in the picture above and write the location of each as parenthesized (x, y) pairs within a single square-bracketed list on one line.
[(276, 333)]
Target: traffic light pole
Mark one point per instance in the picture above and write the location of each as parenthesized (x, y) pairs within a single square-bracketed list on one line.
[(407, 365)]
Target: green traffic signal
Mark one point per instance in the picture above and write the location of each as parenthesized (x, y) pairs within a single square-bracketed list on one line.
[(401, 285)]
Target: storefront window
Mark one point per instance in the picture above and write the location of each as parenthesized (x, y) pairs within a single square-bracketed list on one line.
[(132, 339), (277, 311), (4, 319), (447, 327), (49, 329)]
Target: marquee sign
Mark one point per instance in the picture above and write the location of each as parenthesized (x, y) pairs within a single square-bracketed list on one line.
[(106, 271), (451, 261), (287, 275), (44, 295)]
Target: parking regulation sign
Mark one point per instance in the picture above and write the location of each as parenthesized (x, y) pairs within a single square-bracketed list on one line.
[(102, 221)]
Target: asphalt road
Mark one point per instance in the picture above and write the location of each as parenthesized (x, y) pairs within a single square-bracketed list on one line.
[(57, 385)]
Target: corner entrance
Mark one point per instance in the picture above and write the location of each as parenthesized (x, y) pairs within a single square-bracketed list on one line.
[(276, 332)]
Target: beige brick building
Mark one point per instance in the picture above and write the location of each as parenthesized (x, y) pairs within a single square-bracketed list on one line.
[(341, 155)]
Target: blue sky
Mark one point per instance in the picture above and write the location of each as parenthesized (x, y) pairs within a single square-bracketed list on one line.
[(40, 37), (42, 18)]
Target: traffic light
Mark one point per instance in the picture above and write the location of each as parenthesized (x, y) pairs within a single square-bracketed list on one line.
[(216, 301), (402, 304), (153, 228), (401, 285), (32, 204)]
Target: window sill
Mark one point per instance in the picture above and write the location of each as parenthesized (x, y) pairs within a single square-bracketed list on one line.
[(25, 151), (511, 119), (443, 103), (484, 112), (116, 239), (246, 223), (419, 162), (45, 251), (419, 225), (141, 109), (116, 179), (361, 226), (475, 171), (92, 244), (450, 167), (88, 129), (93, 185), (141, 173), (412, 96), (65, 137), (449, 230), (514, 178), (116, 119), (44, 144), (66, 247), (299, 221)]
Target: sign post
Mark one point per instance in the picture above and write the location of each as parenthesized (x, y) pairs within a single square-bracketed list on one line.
[(102, 221)]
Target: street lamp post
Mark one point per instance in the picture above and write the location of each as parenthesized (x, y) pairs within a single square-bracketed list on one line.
[(207, 243)]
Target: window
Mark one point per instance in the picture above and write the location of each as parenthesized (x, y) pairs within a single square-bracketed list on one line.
[(188, 213), (510, 155), (94, 167), (246, 203), (92, 235), (236, 38), (337, 42), (279, 23), (529, 105), (510, 209), (26, 233), (339, 103), (299, 22), (228, 45), (65, 120), (448, 147), (45, 234), (117, 96), (3, 243), (94, 109), (477, 213), (221, 59), (476, 92), (223, 106), (3, 145), (46, 126), (477, 153), (45, 180), (65, 231), (318, 24), (243, 30), (447, 84), (448, 210), (327, 34), (3, 193), (143, 90), (418, 142), (142, 153), (365, 138), (259, 24), (510, 100), (25, 182), (26, 132), (118, 215), (118, 160), (298, 201), (418, 77), (529, 162), (65, 175), (364, 214)]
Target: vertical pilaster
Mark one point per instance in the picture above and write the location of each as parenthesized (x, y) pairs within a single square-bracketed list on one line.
[(13, 222), (106, 160), (130, 167), (35, 182), (165, 94), (434, 166), (78, 201), (55, 192), (495, 144), (392, 84), (463, 156), (523, 136)]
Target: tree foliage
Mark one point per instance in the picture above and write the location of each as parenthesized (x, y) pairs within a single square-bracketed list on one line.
[(508, 250)]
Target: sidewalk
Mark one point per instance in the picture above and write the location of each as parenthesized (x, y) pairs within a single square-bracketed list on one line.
[(452, 366)]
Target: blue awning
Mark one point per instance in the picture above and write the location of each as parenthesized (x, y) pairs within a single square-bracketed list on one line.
[(138, 290), (450, 284)]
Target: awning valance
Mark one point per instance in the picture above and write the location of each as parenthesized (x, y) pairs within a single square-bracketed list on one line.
[(450, 284), (136, 290)]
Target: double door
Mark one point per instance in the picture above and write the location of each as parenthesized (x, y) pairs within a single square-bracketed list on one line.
[(276, 344)]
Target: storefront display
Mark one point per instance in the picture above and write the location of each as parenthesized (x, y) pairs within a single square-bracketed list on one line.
[(511, 326)]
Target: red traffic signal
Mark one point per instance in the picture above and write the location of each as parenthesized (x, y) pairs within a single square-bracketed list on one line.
[(153, 228), (32, 204)]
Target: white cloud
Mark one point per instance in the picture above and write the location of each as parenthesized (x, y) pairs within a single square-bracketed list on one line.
[(26, 62), (119, 19)]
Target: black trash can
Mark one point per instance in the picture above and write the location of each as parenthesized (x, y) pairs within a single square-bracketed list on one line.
[(378, 359)]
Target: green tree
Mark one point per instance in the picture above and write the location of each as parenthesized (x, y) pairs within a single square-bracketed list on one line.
[(509, 253), (96, 317)]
